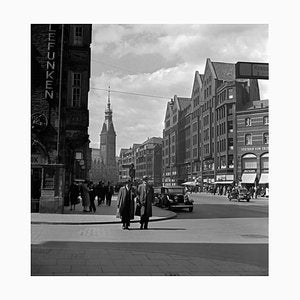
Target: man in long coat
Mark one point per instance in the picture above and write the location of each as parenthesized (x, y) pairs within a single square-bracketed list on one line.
[(125, 204), (145, 199)]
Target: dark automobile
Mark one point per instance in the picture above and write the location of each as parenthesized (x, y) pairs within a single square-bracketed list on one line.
[(173, 197), (239, 194)]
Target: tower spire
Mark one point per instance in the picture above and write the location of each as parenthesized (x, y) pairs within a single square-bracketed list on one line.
[(108, 96)]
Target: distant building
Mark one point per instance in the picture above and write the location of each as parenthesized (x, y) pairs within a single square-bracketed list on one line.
[(60, 75), (149, 160), (126, 159), (146, 159), (104, 164)]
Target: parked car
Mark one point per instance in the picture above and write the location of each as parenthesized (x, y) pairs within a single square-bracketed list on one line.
[(173, 197), (239, 194)]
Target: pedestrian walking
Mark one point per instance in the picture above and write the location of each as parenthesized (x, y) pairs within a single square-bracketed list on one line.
[(73, 195), (255, 191), (109, 192), (92, 195), (85, 196), (145, 197), (125, 204), (100, 192)]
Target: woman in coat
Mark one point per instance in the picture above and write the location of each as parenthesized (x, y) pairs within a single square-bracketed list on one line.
[(125, 204), (73, 194), (85, 196), (145, 199)]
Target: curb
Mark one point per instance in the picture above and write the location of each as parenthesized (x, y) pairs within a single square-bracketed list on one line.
[(172, 215)]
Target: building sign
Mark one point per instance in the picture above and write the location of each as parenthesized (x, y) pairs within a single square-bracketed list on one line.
[(250, 70), (255, 149), (50, 63)]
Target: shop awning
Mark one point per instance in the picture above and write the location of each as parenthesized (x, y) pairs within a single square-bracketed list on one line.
[(264, 178), (191, 183), (248, 177), (224, 182)]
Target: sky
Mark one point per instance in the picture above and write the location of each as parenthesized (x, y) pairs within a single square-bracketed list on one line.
[(159, 60)]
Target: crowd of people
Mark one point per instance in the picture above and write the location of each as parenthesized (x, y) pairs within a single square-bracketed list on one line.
[(133, 200), (87, 193)]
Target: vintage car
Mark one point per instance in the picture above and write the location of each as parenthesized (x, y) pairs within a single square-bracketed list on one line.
[(239, 194), (173, 197)]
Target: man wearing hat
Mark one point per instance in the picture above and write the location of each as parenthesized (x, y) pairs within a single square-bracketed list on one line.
[(125, 204), (145, 198)]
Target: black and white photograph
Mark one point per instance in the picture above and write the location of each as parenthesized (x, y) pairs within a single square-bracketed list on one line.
[(149, 149)]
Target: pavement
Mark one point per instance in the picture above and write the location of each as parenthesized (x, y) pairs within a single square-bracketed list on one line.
[(97, 246), (104, 215)]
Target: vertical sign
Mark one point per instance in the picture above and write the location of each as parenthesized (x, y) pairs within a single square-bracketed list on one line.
[(50, 64)]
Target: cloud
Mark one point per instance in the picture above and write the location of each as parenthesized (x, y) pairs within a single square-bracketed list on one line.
[(159, 60)]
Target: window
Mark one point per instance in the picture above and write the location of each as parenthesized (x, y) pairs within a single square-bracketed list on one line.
[(174, 118), (230, 126), (265, 162), (248, 139), (266, 138), (248, 122), (194, 139), (173, 139), (230, 144), (195, 152), (230, 93), (76, 89), (266, 120), (229, 110), (78, 34), (194, 126), (223, 162)]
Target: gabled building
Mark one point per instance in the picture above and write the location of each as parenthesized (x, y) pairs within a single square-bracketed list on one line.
[(199, 136), (176, 141)]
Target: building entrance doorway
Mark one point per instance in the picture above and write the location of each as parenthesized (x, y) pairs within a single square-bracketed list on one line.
[(36, 185)]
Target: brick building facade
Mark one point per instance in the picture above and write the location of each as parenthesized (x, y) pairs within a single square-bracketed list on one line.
[(201, 144)]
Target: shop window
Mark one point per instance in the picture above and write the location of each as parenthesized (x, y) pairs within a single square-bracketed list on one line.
[(265, 162), (248, 122), (248, 139), (249, 162)]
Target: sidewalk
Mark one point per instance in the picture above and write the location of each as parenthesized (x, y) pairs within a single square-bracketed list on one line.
[(104, 215)]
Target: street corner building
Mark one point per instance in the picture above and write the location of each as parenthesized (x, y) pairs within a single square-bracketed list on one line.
[(60, 74)]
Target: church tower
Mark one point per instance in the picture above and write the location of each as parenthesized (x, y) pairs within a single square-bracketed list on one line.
[(108, 139)]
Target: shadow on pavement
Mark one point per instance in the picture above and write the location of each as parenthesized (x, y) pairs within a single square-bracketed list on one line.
[(252, 254), (211, 211)]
